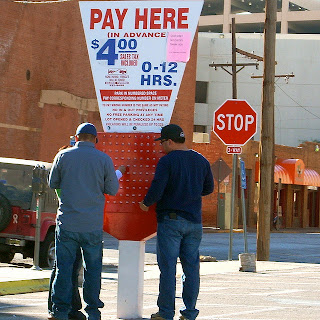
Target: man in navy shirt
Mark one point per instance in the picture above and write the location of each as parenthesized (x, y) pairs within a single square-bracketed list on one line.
[(84, 174), (182, 177)]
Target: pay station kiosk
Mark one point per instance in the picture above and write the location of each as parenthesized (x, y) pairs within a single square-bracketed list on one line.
[(138, 51)]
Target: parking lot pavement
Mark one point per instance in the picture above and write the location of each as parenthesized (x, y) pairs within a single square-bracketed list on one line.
[(277, 291), (286, 246)]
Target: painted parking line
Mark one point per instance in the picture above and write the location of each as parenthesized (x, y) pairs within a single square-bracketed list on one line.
[(226, 315)]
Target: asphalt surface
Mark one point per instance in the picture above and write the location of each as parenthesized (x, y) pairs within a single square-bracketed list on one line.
[(286, 289), (284, 246)]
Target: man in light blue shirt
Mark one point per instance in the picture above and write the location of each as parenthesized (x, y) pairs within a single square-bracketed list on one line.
[(84, 174)]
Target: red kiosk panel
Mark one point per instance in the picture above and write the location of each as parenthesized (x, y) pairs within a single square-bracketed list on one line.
[(123, 217)]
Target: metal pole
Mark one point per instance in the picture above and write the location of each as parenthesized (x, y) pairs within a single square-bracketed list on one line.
[(244, 222), (234, 60), (37, 234), (278, 225), (244, 216), (235, 156), (233, 190), (218, 200)]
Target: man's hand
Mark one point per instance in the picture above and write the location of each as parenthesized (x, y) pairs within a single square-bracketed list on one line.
[(122, 169), (143, 206)]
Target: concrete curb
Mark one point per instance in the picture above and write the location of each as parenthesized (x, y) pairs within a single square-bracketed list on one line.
[(217, 230), (24, 286)]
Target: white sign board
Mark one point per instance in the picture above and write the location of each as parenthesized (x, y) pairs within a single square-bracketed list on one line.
[(138, 52)]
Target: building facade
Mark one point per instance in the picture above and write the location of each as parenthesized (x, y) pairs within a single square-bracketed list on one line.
[(294, 16), (297, 109), (296, 198)]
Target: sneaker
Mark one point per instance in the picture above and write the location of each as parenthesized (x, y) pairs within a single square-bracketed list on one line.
[(183, 318), (156, 316)]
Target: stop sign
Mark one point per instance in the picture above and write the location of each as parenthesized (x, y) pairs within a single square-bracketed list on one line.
[(235, 122)]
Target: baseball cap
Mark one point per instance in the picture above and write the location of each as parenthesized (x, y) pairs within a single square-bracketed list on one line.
[(87, 128), (171, 131)]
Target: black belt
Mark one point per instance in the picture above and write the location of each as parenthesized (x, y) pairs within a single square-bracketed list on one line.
[(172, 215)]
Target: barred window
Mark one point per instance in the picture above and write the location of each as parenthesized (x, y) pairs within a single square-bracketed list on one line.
[(201, 91)]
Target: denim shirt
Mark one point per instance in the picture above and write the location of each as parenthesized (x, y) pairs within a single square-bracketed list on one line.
[(84, 174)]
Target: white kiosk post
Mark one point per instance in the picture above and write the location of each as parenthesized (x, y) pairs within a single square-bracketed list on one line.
[(130, 279)]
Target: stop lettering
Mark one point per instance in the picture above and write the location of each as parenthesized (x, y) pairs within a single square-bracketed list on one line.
[(235, 122)]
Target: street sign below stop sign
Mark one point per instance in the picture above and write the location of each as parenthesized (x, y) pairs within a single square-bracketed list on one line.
[(235, 122)]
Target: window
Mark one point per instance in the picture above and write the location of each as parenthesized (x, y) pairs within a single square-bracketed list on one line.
[(198, 128), (15, 184), (201, 91)]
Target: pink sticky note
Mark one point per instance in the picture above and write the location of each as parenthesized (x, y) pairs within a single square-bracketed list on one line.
[(178, 46)]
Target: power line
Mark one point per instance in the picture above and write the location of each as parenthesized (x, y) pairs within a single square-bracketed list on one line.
[(294, 119), (304, 108), (295, 128)]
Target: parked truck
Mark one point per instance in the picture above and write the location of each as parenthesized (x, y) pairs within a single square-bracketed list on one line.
[(18, 212)]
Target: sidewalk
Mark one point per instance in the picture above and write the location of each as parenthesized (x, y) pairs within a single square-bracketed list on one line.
[(17, 279)]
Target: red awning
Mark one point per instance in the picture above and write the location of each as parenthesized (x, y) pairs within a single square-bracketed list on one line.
[(311, 178), (288, 174), (282, 173), (295, 169)]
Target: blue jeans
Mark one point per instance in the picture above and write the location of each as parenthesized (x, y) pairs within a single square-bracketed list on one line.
[(67, 245), (76, 304), (178, 238)]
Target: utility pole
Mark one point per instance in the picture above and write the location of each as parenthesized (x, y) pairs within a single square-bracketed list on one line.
[(234, 60), (267, 134)]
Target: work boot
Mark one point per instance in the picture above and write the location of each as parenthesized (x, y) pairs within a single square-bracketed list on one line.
[(52, 317), (156, 316), (76, 315), (183, 318)]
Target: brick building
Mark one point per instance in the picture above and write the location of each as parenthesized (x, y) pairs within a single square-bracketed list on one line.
[(46, 86), (299, 197)]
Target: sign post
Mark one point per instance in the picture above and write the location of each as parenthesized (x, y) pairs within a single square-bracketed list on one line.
[(244, 217), (38, 188), (235, 123)]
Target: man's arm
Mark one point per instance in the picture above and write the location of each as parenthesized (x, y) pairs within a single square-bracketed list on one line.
[(208, 184), (111, 183), (157, 187), (54, 178), (120, 171)]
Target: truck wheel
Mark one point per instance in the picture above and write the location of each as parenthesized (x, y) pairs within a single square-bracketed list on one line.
[(6, 256), (47, 251), (5, 212)]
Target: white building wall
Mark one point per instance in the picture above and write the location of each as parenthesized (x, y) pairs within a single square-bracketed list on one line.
[(297, 100)]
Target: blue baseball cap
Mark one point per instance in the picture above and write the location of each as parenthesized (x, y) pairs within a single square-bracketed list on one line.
[(86, 128)]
